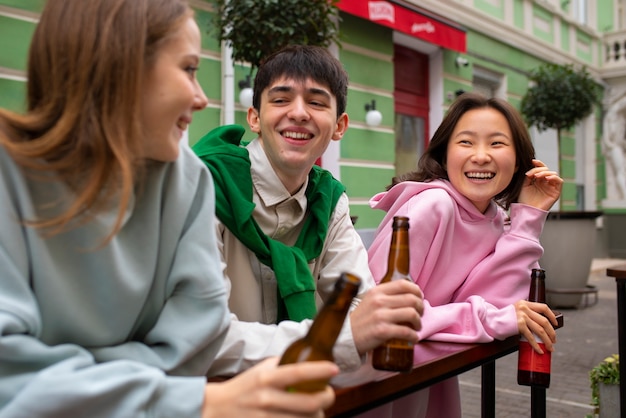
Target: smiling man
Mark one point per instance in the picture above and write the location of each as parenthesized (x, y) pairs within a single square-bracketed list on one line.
[(284, 228)]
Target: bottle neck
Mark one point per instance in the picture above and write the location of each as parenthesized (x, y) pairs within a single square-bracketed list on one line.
[(537, 288), (398, 262), (329, 321)]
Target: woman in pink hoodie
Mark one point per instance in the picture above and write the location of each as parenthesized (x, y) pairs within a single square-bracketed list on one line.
[(476, 206)]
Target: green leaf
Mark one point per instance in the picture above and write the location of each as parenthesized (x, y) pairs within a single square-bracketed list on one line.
[(560, 97), (257, 28), (606, 372)]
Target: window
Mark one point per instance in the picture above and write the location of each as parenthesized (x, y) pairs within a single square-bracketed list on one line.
[(489, 83), (580, 11), (410, 142), (411, 106)]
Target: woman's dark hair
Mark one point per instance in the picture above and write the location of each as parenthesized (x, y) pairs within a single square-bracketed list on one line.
[(431, 165)]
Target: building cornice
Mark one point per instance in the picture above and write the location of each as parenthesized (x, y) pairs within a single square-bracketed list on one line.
[(477, 21)]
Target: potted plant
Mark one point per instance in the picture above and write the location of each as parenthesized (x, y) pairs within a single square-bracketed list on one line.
[(559, 98), (256, 28), (604, 379)]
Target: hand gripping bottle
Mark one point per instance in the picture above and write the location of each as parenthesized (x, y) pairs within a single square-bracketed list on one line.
[(533, 369), (319, 341)]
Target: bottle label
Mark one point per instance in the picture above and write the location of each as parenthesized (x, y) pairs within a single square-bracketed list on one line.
[(532, 361)]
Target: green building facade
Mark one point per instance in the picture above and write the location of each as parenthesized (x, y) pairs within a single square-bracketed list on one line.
[(412, 58)]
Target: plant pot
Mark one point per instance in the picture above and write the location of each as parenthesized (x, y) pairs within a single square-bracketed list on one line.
[(568, 240), (609, 400), (615, 225)]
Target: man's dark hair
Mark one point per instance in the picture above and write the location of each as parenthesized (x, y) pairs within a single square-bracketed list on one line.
[(301, 62)]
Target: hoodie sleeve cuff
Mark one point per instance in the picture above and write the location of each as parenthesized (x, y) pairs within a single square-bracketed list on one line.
[(527, 221)]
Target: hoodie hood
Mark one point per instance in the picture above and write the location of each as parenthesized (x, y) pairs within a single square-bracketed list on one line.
[(391, 200)]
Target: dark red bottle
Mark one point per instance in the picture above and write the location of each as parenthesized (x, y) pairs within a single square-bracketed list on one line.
[(533, 369)]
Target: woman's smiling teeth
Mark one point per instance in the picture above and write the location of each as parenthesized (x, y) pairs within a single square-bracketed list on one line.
[(296, 135), (480, 176), (181, 125)]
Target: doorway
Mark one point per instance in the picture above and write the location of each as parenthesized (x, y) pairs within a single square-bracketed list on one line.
[(411, 107)]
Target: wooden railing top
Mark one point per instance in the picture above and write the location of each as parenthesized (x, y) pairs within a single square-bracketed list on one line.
[(619, 272), (438, 361)]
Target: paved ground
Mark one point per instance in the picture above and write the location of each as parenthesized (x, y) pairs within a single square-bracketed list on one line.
[(587, 337)]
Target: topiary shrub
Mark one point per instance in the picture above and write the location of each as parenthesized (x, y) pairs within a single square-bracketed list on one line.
[(256, 28), (559, 98)]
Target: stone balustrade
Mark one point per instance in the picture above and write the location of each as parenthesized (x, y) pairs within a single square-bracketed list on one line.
[(614, 50)]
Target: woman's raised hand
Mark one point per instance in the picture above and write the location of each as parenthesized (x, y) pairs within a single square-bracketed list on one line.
[(542, 187)]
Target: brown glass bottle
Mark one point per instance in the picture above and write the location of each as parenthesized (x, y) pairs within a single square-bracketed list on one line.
[(533, 369), (395, 354), (319, 341)]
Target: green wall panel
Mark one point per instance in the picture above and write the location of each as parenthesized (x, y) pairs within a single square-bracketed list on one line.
[(449, 65), (568, 169), (565, 44), (568, 194), (545, 16), (584, 53), (358, 99), (489, 8), (15, 36), (365, 144), (365, 182), (241, 119), (367, 70), (516, 102), (203, 121), (366, 34), (451, 86), (13, 95), (516, 83), (209, 40), (568, 144), (518, 14), (367, 217), (209, 77), (479, 43), (30, 5), (605, 10), (209, 119)]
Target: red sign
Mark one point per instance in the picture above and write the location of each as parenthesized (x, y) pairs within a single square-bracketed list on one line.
[(407, 21)]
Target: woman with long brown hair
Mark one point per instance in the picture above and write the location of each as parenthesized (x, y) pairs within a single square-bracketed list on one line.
[(112, 300)]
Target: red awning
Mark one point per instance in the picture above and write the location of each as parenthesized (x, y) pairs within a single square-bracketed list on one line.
[(408, 21)]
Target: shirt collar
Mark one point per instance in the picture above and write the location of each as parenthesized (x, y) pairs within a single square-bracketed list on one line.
[(266, 182)]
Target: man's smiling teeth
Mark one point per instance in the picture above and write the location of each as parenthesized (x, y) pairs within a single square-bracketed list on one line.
[(481, 176), (297, 135), (181, 125)]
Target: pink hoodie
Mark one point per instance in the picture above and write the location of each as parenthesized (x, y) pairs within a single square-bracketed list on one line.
[(471, 266)]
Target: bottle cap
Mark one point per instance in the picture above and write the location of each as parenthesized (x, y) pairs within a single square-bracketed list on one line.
[(348, 278), (538, 273), (400, 221)]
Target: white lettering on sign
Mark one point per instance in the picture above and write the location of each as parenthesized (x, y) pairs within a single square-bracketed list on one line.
[(422, 27), (381, 10)]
